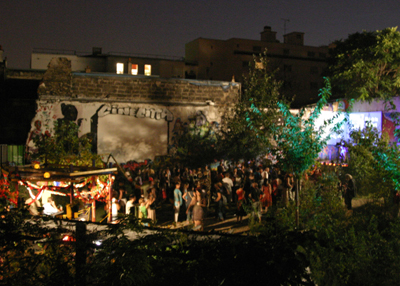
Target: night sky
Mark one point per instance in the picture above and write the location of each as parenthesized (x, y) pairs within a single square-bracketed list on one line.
[(163, 27)]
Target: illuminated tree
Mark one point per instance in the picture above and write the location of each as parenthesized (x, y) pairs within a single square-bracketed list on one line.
[(64, 147), (197, 146), (241, 131), (367, 65), (297, 141)]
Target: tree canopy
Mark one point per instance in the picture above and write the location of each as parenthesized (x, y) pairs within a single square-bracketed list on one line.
[(239, 135), (65, 147), (366, 65)]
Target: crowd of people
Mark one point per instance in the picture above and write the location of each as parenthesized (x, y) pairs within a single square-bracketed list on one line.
[(220, 189), (241, 188)]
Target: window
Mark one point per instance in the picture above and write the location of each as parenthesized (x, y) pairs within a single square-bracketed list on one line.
[(134, 69), (245, 64), (120, 68), (259, 65), (322, 55), (313, 70), (311, 54), (147, 69), (285, 51), (256, 49)]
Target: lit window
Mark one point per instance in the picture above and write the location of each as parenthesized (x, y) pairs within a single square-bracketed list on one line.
[(147, 69), (134, 69), (120, 68)]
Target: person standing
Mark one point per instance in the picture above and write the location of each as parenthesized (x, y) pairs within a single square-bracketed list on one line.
[(349, 191), (177, 201), (188, 196), (228, 184), (255, 199)]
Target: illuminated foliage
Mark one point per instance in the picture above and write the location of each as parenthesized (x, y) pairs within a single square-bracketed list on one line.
[(64, 147), (297, 142), (197, 146), (373, 162), (367, 65), (241, 131)]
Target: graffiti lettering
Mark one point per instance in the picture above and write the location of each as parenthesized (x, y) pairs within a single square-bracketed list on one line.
[(138, 112)]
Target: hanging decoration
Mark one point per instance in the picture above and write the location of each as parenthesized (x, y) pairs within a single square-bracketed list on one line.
[(99, 190), (5, 188)]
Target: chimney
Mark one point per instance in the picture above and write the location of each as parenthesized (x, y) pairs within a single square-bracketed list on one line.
[(268, 35)]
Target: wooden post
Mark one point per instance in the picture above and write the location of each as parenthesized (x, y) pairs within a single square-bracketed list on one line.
[(94, 210), (71, 194), (110, 201), (80, 257)]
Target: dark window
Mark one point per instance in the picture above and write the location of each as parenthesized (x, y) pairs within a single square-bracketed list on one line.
[(311, 54), (256, 49), (322, 55), (237, 46), (245, 64), (285, 51), (211, 63), (298, 36)]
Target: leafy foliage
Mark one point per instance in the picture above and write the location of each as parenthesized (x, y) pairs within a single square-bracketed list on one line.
[(298, 143), (64, 147), (197, 146), (367, 65), (240, 133)]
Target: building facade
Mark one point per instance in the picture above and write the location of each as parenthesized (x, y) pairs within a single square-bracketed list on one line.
[(119, 63), (299, 66), (132, 117)]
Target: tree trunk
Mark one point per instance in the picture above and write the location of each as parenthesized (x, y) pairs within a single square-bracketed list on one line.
[(298, 185)]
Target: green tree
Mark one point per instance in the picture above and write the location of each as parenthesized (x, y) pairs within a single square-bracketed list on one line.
[(64, 147), (197, 146), (366, 65), (297, 141), (241, 131)]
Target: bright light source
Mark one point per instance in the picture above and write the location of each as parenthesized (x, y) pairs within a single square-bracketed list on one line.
[(36, 166), (46, 175)]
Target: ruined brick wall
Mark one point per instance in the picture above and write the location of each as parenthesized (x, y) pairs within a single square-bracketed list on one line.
[(60, 81)]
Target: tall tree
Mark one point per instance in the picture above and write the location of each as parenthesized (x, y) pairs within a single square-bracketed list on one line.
[(297, 139), (366, 65), (241, 131)]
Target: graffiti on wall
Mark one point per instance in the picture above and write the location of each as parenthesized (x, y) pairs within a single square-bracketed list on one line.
[(127, 132), (198, 123), (138, 112)]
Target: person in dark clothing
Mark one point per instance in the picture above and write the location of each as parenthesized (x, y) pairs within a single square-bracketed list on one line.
[(349, 191), (255, 199)]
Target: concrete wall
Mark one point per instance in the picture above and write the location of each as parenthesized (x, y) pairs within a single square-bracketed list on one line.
[(131, 117)]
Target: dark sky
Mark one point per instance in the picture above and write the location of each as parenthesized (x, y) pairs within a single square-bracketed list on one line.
[(163, 27)]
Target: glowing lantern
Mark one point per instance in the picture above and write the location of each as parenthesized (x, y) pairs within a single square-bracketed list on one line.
[(36, 166), (46, 175)]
